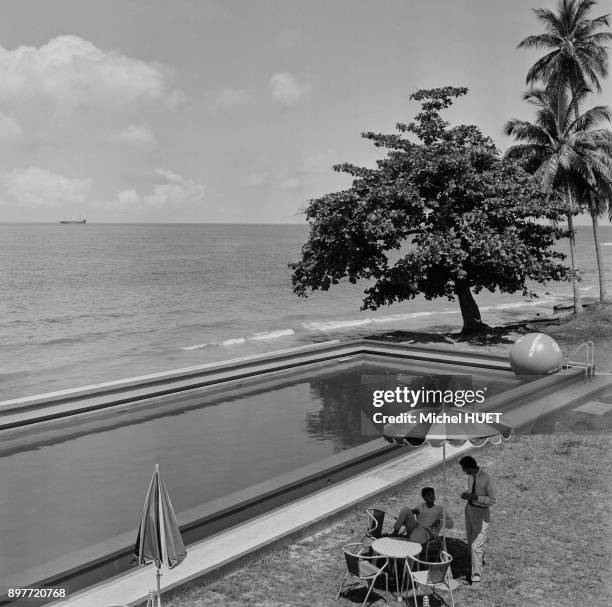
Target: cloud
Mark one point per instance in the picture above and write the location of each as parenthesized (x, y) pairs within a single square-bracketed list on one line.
[(286, 89), (10, 131), (136, 135), (38, 188), (171, 189), (230, 99), (71, 72), (127, 199)]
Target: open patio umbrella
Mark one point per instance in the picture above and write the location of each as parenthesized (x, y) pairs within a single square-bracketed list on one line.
[(438, 433), (159, 539)]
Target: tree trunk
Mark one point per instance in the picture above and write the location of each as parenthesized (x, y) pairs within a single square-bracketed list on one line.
[(575, 104), (570, 202), (574, 84), (603, 296), (572, 239), (469, 309)]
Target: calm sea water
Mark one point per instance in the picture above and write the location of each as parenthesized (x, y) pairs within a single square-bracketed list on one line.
[(88, 303)]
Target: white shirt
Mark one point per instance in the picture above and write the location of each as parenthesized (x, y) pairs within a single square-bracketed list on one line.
[(428, 516)]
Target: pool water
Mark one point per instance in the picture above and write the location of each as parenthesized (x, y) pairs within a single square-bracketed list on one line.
[(88, 482)]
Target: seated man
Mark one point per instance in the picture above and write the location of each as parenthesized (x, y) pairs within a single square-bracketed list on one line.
[(423, 522)]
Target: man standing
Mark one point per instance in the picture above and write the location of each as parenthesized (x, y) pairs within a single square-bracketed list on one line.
[(479, 496)]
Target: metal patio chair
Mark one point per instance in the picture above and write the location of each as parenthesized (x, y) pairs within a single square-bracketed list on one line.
[(376, 521), (433, 574), (362, 567)]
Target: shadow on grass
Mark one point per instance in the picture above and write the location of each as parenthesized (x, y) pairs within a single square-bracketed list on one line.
[(493, 336), (461, 567), (461, 564), (569, 330), (357, 594)]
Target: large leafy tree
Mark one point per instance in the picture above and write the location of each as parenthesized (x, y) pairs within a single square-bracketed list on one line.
[(569, 156), (441, 215), (577, 53)]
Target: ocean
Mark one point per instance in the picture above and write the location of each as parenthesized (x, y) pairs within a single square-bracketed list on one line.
[(83, 304)]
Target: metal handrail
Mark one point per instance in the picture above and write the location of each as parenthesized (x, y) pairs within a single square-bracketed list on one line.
[(589, 365)]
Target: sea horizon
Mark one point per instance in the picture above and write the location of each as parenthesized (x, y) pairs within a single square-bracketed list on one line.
[(584, 220)]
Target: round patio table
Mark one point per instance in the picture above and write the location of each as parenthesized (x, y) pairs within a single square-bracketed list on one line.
[(397, 549)]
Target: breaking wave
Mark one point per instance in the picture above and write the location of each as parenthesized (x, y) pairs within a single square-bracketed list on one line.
[(236, 341)]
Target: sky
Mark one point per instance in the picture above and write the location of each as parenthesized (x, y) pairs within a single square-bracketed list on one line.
[(233, 110)]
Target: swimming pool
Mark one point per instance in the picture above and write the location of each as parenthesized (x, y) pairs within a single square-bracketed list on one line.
[(78, 481)]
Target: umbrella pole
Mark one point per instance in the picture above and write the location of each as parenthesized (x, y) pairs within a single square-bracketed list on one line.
[(159, 588), (444, 503)]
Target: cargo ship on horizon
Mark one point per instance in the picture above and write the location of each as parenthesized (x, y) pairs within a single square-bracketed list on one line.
[(74, 220)]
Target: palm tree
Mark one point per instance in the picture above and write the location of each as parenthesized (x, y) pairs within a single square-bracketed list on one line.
[(597, 199), (564, 151), (577, 53), (577, 57)]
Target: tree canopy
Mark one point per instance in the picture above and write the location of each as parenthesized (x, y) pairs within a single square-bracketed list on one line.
[(441, 215), (563, 149), (577, 51)]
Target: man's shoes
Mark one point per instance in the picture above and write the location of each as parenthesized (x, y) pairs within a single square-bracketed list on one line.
[(475, 582)]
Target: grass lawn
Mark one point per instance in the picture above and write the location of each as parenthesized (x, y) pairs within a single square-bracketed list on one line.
[(550, 543), (596, 325)]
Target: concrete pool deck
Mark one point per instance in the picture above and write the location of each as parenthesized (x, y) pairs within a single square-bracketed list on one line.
[(227, 550)]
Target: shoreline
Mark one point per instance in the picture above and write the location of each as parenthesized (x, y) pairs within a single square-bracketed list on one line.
[(508, 321), (594, 324)]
